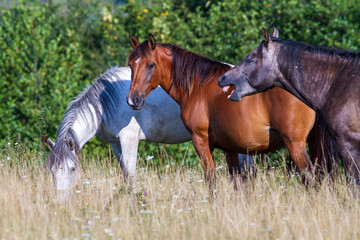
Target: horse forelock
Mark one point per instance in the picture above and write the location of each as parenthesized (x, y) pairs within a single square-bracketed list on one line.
[(143, 50)]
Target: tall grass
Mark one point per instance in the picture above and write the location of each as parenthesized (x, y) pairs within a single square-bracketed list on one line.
[(171, 204)]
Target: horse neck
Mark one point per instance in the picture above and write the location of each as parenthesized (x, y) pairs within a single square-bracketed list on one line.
[(313, 83), (86, 125), (166, 82)]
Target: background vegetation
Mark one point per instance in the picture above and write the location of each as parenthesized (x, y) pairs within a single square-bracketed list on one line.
[(50, 50)]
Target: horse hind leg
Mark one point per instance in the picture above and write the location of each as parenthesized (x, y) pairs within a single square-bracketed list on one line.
[(302, 161)]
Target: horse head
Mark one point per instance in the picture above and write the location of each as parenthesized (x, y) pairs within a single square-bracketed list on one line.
[(63, 162), (146, 72), (256, 73)]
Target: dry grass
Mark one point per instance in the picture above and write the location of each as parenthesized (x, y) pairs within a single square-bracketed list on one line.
[(173, 206)]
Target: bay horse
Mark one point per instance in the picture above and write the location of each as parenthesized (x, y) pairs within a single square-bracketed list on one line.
[(327, 80), (101, 110), (259, 124)]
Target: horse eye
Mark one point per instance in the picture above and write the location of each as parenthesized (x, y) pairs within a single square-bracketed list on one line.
[(248, 60), (72, 169), (150, 65)]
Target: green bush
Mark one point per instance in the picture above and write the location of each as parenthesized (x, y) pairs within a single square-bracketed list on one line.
[(50, 52), (39, 75)]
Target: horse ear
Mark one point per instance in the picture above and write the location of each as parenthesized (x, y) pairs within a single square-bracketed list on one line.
[(71, 143), (276, 32), (133, 42), (267, 39), (151, 42), (50, 144)]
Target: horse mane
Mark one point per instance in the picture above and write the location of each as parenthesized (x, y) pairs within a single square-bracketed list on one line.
[(290, 53), (103, 96), (187, 68)]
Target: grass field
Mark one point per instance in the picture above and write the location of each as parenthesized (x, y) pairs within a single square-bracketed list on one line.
[(170, 204)]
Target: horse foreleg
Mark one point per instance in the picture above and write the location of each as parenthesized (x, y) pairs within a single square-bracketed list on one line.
[(301, 159), (201, 144), (129, 142)]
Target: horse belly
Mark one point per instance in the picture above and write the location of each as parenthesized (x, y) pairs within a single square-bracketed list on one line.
[(248, 139)]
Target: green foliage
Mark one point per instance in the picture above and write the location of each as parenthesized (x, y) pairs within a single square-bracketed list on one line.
[(39, 74), (50, 52)]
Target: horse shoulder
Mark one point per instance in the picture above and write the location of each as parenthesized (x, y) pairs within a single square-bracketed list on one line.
[(195, 116)]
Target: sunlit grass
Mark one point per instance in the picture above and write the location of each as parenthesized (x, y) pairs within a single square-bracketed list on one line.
[(171, 204)]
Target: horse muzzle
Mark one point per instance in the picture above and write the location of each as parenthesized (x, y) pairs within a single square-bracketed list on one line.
[(136, 102), (225, 82)]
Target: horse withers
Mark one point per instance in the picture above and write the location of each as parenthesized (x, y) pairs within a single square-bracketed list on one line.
[(261, 123), (101, 109), (327, 80)]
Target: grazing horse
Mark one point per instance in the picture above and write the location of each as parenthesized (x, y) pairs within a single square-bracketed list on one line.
[(327, 80), (259, 124), (101, 109)]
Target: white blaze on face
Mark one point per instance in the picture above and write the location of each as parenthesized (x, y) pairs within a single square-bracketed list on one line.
[(137, 65)]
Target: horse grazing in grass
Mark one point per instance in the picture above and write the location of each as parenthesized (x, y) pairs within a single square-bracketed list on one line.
[(259, 124), (327, 80), (101, 109)]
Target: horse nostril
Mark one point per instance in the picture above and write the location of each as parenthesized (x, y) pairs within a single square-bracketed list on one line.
[(222, 78), (136, 100)]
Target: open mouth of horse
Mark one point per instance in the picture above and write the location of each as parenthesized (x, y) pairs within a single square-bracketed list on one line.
[(227, 88)]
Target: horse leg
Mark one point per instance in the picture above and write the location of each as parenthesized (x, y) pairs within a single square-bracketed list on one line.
[(233, 163), (241, 167), (247, 166), (300, 157), (129, 141), (117, 150), (350, 155), (201, 143)]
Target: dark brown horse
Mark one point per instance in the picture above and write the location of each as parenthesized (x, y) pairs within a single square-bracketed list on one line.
[(259, 124), (327, 80)]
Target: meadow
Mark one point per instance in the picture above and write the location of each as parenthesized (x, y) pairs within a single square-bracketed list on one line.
[(50, 50), (169, 203)]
